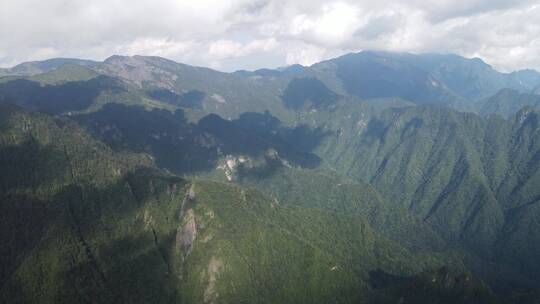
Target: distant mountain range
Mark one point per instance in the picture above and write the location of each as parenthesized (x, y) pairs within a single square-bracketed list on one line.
[(37, 67), (449, 80), (370, 178)]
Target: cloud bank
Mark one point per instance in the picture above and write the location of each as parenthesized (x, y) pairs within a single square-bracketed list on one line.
[(241, 34)]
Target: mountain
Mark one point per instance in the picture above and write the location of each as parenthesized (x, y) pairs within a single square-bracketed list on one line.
[(445, 80), (371, 75), (507, 102), (107, 227), (441, 286), (448, 80), (63, 98), (226, 94), (356, 180), (465, 175), (469, 160), (38, 67)]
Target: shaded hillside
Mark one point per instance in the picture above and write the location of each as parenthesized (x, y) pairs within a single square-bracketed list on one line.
[(184, 147), (465, 175), (317, 188), (83, 224), (226, 94), (444, 80), (507, 103), (307, 92), (423, 78), (441, 286), (38, 67), (61, 98)]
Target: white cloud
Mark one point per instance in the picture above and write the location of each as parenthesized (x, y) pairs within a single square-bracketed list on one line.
[(227, 48), (305, 55), (335, 24), (238, 34)]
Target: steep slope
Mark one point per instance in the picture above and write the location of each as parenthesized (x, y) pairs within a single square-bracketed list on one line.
[(83, 224), (72, 89), (183, 147), (226, 94), (404, 186), (325, 190), (65, 73), (310, 92), (449, 204), (71, 96), (255, 150), (507, 103), (377, 75), (38, 67), (447, 80), (464, 175), (423, 78), (441, 286)]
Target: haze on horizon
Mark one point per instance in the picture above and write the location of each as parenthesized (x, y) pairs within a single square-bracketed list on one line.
[(240, 34)]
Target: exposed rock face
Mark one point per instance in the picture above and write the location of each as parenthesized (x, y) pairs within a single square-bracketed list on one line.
[(230, 166), (190, 196), (210, 293), (186, 234), (191, 192), (218, 98), (138, 70), (148, 220)]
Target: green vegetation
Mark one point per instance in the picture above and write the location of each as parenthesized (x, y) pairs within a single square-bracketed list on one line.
[(507, 103), (139, 180), (65, 73), (464, 175), (108, 228)]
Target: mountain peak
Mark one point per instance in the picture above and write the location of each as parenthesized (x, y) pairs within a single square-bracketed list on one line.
[(37, 67)]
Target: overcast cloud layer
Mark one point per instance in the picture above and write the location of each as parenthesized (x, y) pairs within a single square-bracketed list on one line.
[(250, 34)]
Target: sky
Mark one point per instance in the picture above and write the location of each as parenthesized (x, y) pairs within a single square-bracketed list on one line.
[(251, 34)]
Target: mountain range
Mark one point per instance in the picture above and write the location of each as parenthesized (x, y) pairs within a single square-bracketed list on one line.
[(374, 177)]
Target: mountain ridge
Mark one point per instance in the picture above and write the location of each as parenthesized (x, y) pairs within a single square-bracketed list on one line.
[(58, 61), (374, 194)]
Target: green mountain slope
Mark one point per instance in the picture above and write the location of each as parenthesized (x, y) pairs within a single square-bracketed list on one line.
[(451, 203), (226, 94), (65, 73), (71, 96), (441, 286), (107, 228), (447, 80), (315, 194), (507, 103), (464, 175), (38, 67), (183, 147), (423, 78)]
